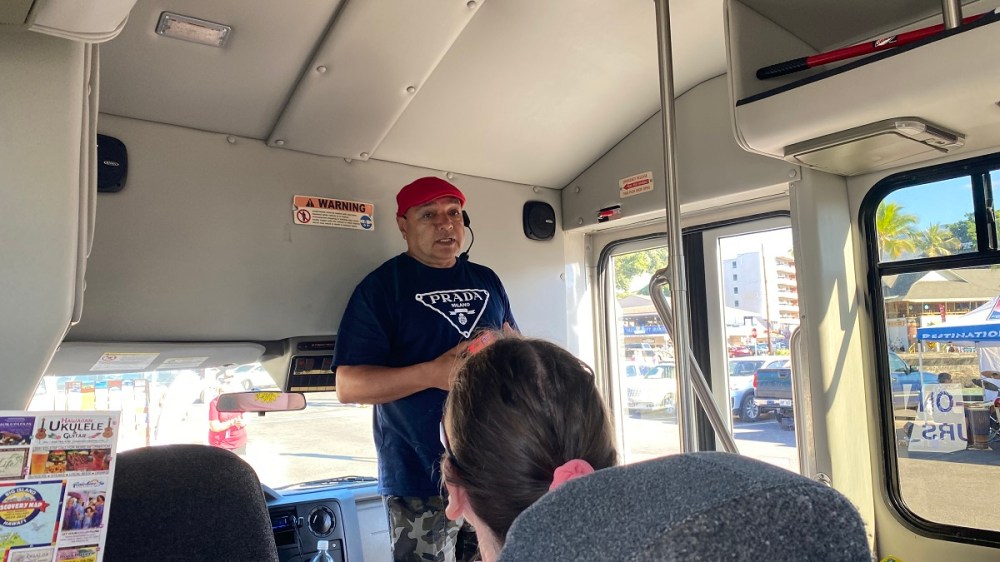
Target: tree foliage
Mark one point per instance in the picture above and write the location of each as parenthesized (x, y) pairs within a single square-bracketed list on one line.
[(895, 231), (630, 266), (937, 241)]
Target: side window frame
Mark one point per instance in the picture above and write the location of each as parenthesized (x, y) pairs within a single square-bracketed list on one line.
[(986, 253)]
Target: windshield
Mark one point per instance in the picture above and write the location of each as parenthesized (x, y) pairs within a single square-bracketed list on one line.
[(326, 440)]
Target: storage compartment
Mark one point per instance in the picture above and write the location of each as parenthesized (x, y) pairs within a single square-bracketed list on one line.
[(907, 103)]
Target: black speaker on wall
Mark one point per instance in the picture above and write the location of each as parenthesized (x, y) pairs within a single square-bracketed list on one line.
[(539, 220), (112, 164)]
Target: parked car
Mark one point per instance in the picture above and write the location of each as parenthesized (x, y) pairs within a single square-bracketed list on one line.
[(906, 382), (656, 390), (773, 393), (741, 392), (773, 387), (740, 351), (252, 377), (633, 369)]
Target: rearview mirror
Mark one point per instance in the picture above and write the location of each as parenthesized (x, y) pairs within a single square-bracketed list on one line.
[(261, 401)]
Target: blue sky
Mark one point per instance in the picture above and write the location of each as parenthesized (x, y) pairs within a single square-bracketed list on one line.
[(941, 202)]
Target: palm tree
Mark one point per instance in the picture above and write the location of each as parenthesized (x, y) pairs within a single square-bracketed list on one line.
[(895, 231), (937, 241)]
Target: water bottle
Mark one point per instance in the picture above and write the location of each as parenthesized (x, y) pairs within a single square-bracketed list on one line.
[(323, 555)]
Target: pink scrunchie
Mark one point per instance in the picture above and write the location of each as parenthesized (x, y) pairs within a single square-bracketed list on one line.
[(572, 469)]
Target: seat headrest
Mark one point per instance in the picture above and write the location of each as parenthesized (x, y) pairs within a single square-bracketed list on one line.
[(187, 502), (696, 506)]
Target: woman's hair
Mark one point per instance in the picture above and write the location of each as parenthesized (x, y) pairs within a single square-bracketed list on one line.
[(518, 410)]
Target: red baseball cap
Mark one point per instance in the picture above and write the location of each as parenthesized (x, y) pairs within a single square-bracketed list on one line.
[(423, 191)]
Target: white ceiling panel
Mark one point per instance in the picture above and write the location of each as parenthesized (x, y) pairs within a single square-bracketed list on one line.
[(238, 89), (525, 91), (360, 80), (534, 92)]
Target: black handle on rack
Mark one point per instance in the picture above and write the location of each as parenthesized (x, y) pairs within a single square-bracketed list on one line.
[(783, 68)]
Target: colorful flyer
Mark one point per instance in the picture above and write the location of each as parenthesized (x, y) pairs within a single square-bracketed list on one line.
[(56, 474), (15, 431)]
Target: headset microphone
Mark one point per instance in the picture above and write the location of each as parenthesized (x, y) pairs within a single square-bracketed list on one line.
[(465, 221)]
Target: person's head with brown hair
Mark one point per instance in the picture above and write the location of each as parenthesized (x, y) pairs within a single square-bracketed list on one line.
[(523, 416)]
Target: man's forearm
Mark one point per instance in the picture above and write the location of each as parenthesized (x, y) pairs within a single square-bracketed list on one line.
[(371, 384)]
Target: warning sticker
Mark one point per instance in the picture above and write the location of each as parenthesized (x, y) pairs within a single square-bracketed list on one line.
[(634, 185), (334, 213), (124, 361)]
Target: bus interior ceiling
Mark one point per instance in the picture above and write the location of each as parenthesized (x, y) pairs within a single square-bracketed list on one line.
[(514, 100)]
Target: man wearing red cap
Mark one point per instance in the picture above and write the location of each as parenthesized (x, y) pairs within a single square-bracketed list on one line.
[(398, 347)]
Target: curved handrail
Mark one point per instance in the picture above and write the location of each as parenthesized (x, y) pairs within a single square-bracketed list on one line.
[(686, 411)]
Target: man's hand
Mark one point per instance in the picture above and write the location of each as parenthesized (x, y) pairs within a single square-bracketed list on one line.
[(444, 368)]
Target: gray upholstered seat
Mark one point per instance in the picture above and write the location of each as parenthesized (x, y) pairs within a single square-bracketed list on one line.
[(698, 506), (187, 502)]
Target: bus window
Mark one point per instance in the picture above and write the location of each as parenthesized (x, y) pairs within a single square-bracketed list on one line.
[(760, 304), (167, 407), (932, 246), (644, 374)]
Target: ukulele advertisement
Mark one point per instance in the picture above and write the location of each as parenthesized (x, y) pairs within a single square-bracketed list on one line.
[(56, 470)]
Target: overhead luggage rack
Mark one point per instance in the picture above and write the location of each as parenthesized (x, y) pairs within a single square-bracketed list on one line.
[(869, 113)]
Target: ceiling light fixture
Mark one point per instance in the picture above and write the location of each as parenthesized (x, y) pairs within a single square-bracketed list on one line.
[(191, 29)]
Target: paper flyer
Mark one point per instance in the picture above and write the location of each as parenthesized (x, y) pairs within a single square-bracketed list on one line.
[(56, 471)]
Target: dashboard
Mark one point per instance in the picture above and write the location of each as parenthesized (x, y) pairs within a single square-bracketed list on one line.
[(351, 516)]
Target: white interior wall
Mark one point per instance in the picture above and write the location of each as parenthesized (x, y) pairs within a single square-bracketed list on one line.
[(201, 245), (830, 313), (704, 139), (43, 85)]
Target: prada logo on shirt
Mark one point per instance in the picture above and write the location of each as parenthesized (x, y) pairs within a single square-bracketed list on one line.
[(462, 308)]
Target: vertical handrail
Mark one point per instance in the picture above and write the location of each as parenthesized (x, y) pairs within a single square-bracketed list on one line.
[(802, 405), (696, 381), (675, 251), (952, 11)]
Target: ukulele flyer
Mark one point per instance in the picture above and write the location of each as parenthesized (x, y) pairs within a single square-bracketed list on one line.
[(54, 506)]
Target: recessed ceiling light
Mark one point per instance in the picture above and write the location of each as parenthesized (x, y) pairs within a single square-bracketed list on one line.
[(191, 29)]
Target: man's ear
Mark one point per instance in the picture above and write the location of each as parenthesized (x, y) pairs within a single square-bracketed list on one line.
[(401, 223), (458, 502)]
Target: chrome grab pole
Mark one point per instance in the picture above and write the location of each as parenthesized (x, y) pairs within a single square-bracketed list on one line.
[(675, 251), (697, 377), (952, 10)]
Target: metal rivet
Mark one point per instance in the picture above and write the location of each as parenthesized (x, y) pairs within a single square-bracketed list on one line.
[(364, 155), (471, 3), (536, 189), (791, 173), (450, 176), (577, 190), (321, 69), (579, 220), (348, 160), (410, 89), (279, 142), (231, 139)]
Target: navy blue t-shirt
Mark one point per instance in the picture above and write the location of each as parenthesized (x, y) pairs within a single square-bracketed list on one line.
[(405, 313)]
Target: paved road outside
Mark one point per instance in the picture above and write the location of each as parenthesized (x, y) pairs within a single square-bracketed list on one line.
[(655, 435)]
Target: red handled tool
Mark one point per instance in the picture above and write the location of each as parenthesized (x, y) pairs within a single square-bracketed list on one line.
[(836, 55)]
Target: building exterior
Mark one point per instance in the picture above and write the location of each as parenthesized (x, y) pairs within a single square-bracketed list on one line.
[(915, 300), (763, 284)]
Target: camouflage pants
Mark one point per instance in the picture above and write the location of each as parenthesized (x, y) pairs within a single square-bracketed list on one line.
[(420, 532)]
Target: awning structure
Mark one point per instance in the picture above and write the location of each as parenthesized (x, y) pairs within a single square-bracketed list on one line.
[(980, 325)]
